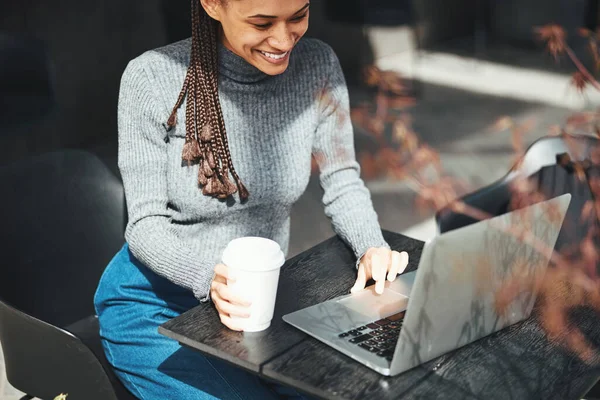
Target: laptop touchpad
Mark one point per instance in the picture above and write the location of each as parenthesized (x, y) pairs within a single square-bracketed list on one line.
[(368, 302)]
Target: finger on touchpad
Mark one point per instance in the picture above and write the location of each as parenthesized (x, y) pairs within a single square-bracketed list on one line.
[(368, 302)]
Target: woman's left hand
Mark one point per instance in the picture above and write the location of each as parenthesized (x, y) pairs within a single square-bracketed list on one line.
[(377, 263)]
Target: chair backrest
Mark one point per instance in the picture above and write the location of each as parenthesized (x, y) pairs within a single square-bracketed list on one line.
[(62, 222), (538, 161), (45, 360)]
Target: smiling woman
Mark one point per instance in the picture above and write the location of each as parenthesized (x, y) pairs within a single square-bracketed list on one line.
[(265, 38), (258, 95)]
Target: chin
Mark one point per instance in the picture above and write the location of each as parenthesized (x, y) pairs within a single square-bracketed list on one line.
[(274, 70)]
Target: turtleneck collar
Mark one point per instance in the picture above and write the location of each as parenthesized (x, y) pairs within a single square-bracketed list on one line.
[(236, 68)]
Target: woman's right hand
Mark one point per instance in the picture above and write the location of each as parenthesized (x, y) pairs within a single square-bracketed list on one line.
[(226, 302)]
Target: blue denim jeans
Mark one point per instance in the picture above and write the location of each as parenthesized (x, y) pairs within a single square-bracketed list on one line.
[(131, 302)]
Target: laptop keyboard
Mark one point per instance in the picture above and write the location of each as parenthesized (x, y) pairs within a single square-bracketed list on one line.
[(378, 337)]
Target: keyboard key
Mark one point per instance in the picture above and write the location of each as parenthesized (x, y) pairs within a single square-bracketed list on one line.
[(382, 346), (371, 343), (343, 335), (362, 328), (387, 354), (396, 317), (369, 348), (379, 339), (373, 326), (382, 322), (355, 333), (360, 338), (394, 326), (388, 346)]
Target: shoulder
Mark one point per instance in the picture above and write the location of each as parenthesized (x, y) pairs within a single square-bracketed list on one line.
[(159, 72), (161, 63), (315, 56)]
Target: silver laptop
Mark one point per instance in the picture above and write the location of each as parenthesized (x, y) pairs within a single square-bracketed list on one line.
[(470, 282)]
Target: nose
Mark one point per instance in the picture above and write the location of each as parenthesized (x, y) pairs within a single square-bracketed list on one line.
[(282, 39)]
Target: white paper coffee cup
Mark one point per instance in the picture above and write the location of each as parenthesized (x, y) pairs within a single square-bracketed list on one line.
[(255, 263)]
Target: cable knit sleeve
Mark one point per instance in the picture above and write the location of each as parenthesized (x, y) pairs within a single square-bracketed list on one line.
[(143, 165), (346, 199)]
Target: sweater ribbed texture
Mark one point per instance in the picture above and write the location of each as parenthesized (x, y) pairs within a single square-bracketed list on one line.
[(274, 124)]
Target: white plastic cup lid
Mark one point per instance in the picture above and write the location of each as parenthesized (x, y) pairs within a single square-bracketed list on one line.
[(251, 253)]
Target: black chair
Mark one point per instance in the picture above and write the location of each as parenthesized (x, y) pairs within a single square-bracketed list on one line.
[(539, 164), (541, 167), (62, 222)]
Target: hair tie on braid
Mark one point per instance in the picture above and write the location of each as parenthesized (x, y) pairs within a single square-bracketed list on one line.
[(210, 158), (230, 188), (209, 189), (205, 169), (191, 151), (172, 119), (205, 135)]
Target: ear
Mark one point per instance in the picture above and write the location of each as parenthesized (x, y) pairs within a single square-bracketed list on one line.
[(212, 8)]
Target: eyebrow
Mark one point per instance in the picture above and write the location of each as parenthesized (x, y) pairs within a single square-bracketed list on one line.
[(274, 17)]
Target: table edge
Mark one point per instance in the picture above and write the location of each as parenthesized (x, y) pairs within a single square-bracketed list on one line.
[(209, 351)]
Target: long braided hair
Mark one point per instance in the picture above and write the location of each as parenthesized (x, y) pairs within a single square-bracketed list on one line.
[(205, 135)]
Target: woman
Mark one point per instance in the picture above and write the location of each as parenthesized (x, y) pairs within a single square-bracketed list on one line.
[(259, 101)]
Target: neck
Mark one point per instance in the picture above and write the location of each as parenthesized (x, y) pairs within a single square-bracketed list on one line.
[(235, 66)]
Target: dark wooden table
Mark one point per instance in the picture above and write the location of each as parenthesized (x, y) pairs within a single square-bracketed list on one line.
[(516, 363)]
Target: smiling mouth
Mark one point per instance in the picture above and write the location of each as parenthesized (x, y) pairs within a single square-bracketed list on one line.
[(273, 56)]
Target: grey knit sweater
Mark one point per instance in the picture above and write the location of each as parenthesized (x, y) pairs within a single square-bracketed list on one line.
[(274, 125)]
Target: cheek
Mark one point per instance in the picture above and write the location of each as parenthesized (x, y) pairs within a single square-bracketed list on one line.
[(301, 29), (239, 37), (249, 38)]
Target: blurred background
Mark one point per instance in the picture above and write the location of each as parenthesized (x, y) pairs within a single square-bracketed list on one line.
[(465, 64)]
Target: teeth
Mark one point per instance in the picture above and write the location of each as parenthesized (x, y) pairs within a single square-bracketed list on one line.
[(274, 56)]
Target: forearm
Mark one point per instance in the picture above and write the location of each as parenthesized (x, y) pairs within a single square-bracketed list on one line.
[(349, 206), (152, 243)]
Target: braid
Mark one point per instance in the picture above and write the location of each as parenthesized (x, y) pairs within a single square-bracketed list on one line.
[(205, 135)]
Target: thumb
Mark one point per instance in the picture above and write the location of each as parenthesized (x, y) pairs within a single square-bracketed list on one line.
[(361, 280)]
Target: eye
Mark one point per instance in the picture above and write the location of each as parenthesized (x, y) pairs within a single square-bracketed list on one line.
[(263, 26), (300, 18)]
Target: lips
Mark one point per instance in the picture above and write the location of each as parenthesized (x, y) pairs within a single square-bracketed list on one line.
[(274, 56)]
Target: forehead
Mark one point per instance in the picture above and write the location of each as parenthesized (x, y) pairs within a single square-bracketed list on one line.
[(277, 8)]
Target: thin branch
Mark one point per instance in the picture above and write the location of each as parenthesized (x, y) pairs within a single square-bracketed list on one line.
[(591, 79)]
